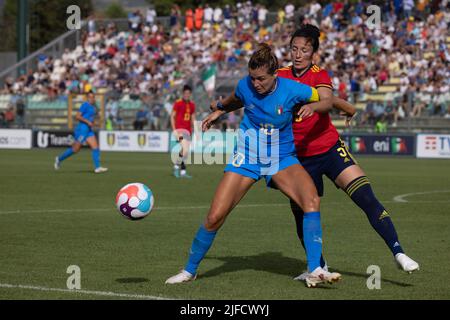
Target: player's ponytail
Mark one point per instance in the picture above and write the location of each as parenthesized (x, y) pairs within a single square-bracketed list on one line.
[(310, 32), (264, 56)]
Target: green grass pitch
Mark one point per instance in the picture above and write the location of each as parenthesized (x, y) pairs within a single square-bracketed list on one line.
[(50, 220)]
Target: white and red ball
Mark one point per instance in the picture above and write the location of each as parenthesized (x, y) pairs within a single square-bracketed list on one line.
[(135, 201)]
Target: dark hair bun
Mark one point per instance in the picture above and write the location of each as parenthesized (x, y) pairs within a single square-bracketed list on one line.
[(310, 29)]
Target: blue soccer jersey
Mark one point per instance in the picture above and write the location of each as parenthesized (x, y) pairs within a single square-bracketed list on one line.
[(83, 131), (88, 112), (265, 135)]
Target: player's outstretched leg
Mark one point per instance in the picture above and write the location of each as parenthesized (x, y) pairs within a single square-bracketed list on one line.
[(229, 192), (360, 191), (66, 154)]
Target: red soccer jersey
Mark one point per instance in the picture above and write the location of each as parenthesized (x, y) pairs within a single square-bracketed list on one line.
[(316, 134), (183, 115)]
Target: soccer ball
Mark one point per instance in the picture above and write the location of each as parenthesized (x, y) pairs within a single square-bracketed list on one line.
[(135, 201)]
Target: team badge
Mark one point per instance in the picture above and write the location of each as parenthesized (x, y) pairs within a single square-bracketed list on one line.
[(279, 110), (111, 139), (142, 139)]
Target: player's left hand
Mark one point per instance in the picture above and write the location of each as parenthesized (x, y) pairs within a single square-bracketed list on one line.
[(348, 118), (305, 111)]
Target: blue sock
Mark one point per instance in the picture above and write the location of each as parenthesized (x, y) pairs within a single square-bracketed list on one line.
[(96, 157), (200, 246), (66, 154), (312, 237), (298, 215), (362, 194)]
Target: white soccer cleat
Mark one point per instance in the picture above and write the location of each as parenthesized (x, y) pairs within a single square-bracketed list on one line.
[(57, 163), (183, 276), (303, 276), (321, 276), (406, 263), (100, 170)]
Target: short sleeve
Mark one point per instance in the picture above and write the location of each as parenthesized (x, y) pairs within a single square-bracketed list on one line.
[(303, 93), (323, 80), (239, 92)]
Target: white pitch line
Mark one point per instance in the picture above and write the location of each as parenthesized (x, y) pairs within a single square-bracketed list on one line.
[(88, 292), (158, 208), (257, 205), (400, 198)]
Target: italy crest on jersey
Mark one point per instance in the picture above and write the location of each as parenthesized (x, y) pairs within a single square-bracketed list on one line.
[(279, 110)]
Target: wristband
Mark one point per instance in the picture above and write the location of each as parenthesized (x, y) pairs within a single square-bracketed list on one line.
[(220, 106)]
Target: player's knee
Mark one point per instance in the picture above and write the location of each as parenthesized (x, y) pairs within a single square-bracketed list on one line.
[(76, 147), (213, 222), (310, 203)]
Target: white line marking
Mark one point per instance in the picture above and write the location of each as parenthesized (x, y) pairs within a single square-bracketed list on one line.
[(257, 205), (400, 198), (95, 293)]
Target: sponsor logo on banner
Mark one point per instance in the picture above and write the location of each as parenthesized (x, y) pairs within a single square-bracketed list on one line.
[(111, 139), (15, 139), (50, 139), (433, 146), (358, 145), (123, 140), (398, 145), (381, 144), (142, 139), (145, 141), (430, 143)]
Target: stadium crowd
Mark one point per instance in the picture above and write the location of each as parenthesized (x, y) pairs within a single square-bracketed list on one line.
[(150, 61)]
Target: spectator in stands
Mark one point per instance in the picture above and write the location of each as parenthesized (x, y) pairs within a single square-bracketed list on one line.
[(156, 114), (447, 114), (189, 19), (119, 119), (389, 112), (146, 60), (381, 125), (198, 17), (20, 113), (141, 119), (2, 119), (150, 16), (9, 116)]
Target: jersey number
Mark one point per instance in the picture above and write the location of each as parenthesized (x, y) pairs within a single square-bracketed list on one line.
[(187, 116), (342, 152)]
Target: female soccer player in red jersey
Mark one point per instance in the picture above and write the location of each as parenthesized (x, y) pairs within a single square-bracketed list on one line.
[(322, 152), (182, 120)]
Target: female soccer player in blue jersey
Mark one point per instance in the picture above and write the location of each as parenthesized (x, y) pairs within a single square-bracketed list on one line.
[(268, 103), (83, 132)]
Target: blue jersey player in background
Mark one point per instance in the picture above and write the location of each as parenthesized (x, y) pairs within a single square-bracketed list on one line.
[(268, 103), (83, 132)]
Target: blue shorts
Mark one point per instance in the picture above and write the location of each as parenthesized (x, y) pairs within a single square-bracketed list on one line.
[(82, 133), (256, 171), (330, 163)]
